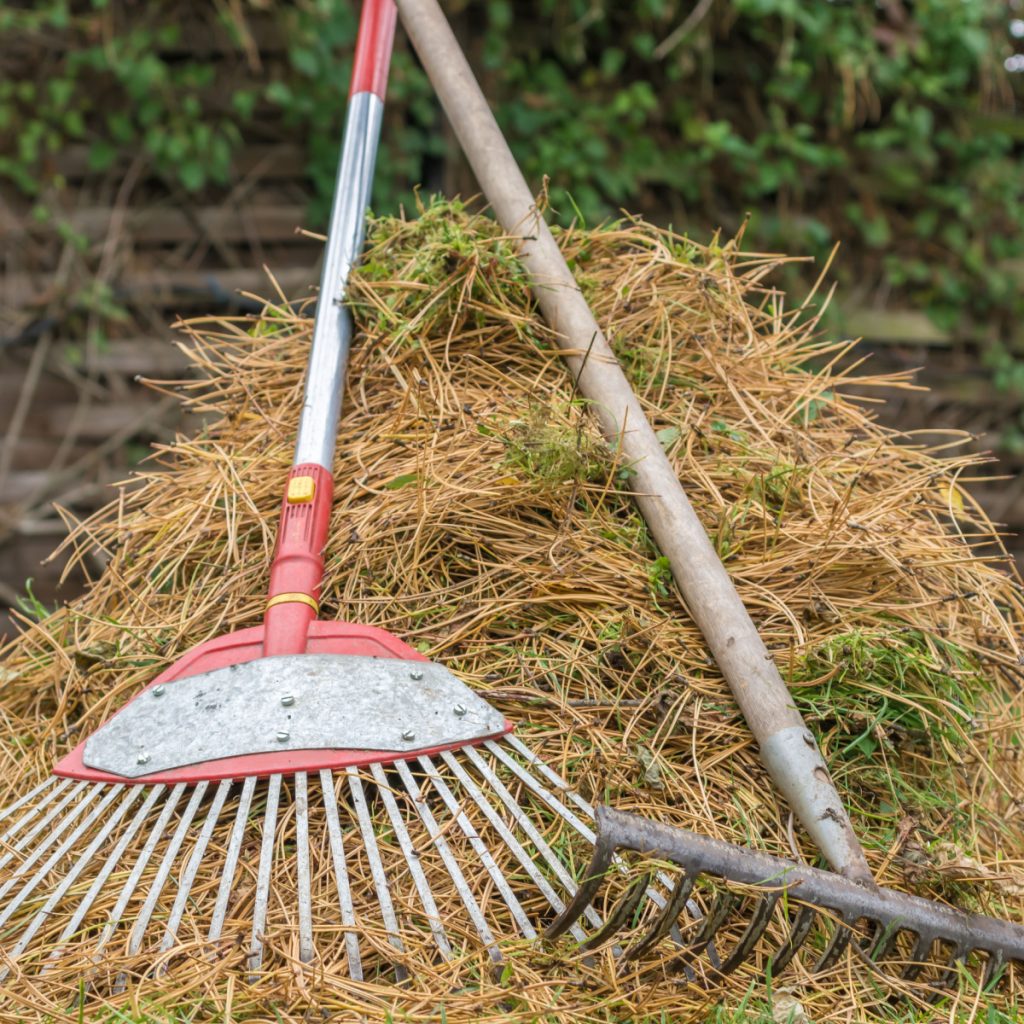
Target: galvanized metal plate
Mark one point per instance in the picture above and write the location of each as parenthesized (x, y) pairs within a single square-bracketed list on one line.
[(292, 702)]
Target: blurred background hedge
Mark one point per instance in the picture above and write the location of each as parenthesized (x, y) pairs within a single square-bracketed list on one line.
[(889, 126)]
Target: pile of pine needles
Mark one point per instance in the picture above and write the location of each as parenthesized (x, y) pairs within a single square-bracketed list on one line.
[(480, 517)]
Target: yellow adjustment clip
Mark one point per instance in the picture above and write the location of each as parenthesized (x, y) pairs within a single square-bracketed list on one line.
[(301, 490)]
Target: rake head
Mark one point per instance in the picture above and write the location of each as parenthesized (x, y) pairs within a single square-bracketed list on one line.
[(335, 806), (882, 925)]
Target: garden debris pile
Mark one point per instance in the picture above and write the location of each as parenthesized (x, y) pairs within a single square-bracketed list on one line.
[(479, 516)]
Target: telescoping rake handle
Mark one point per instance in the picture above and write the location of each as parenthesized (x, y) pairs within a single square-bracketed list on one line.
[(885, 912)]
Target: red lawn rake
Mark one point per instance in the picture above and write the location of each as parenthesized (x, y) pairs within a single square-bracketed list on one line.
[(338, 716)]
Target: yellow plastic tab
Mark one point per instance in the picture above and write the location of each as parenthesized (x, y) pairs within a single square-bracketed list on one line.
[(301, 490), (295, 599)]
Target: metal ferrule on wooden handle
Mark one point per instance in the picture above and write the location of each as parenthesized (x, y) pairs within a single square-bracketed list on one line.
[(788, 749), (297, 568)]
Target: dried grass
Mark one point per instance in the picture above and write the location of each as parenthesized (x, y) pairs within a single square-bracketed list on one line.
[(480, 518)]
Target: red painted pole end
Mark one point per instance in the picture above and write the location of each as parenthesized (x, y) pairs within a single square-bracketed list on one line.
[(373, 47)]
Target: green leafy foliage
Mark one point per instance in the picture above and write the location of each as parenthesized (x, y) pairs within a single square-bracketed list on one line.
[(886, 126)]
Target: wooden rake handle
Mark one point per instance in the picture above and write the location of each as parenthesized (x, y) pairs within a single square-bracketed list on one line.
[(788, 749)]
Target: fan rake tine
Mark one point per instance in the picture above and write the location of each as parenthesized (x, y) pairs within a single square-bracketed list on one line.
[(220, 908), (177, 838), (525, 860), (29, 797), (69, 879), (550, 774), (26, 890), (380, 881), (259, 912), (523, 821), (480, 848), (113, 859), (53, 837), (305, 896), (83, 787), (668, 916), (160, 879), (192, 868), (140, 866), (541, 791), (412, 859), (348, 916), (444, 850)]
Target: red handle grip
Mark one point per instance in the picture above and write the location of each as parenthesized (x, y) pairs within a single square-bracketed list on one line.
[(373, 47), (298, 565)]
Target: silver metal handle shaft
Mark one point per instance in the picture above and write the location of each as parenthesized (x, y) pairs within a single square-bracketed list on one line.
[(332, 328)]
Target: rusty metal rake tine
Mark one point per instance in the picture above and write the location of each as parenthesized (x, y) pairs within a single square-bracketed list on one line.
[(959, 954), (883, 941), (621, 913), (798, 932), (709, 924), (600, 862), (841, 935), (665, 920), (994, 968), (759, 921), (919, 956)]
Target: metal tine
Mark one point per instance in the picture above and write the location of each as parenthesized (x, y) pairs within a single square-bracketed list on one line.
[(480, 848), (621, 913), (177, 838), (541, 791), (140, 865), (88, 788), (26, 890), (523, 821), (348, 915), (841, 938), (192, 867), (550, 774), (884, 939), (65, 823), (798, 932), (259, 912), (130, 796), (759, 921), (525, 860), (841, 935), (994, 967), (918, 958), (302, 868), (380, 882), (413, 860), (444, 850), (220, 908), (678, 899), (587, 808), (31, 795), (959, 954), (113, 858), (709, 924)]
